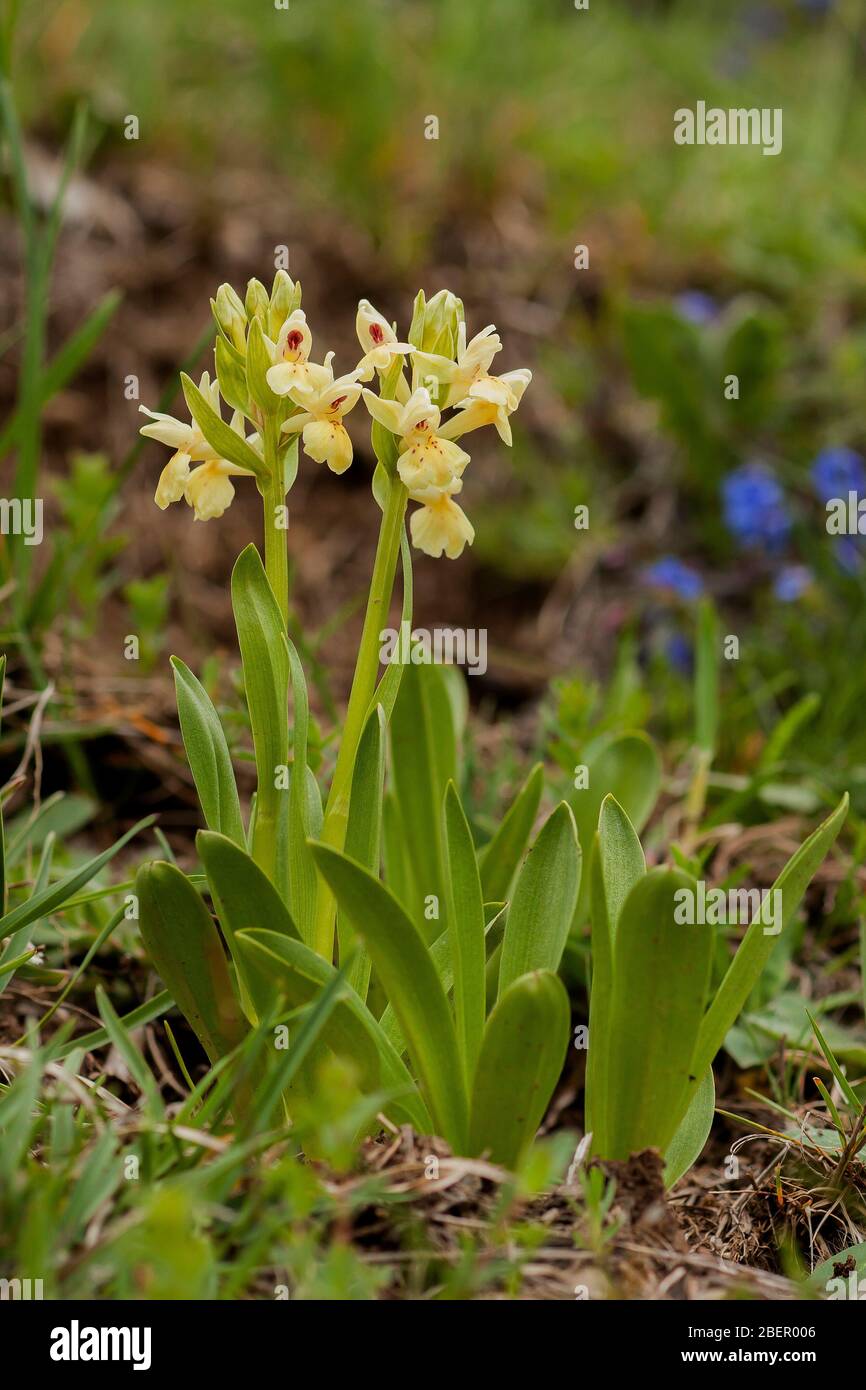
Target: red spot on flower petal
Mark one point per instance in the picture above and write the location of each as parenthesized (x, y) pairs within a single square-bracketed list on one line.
[(376, 333), (294, 340)]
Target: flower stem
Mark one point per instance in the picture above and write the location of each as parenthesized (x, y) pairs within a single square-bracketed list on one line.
[(276, 552), (362, 692)]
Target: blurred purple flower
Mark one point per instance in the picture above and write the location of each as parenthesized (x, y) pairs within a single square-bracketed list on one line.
[(838, 471), (678, 650), (696, 307), (849, 554), (674, 577), (754, 507), (791, 582)]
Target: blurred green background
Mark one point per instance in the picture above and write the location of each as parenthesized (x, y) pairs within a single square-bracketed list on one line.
[(260, 126)]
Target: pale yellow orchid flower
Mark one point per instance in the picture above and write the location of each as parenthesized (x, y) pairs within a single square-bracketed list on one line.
[(292, 369), (320, 421), (490, 401), (187, 441), (440, 525), (378, 340), (427, 463), (473, 363), (207, 488)]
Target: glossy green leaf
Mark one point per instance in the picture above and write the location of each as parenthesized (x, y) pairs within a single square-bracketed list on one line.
[(500, 858), (244, 899), (466, 930), (544, 899), (522, 1054), (363, 837), (409, 978), (617, 865), (185, 948), (693, 1131), (424, 759), (261, 636), (660, 978), (208, 754)]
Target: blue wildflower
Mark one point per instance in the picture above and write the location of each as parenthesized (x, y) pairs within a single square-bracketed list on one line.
[(672, 575), (754, 507), (678, 650), (838, 471), (848, 553), (696, 307), (791, 582)]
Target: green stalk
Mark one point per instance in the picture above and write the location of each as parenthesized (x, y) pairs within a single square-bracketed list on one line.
[(276, 550), (362, 692)]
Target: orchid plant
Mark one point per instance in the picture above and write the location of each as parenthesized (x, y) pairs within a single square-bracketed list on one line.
[(454, 1020), (284, 881)]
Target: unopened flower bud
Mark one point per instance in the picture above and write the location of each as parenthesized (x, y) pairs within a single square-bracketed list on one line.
[(231, 316), (285, 299), (257, 301)]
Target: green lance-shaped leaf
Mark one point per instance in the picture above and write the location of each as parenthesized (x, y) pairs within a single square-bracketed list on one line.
[(291, 970), (424, 758), (363, 836), (185, 948), (466, 931), (302, 871), (625, 766), (244, 899), (410, 981), (660, 978), (261, 636), (542, 908), (756, 946), (224, 440), (500, 858), (693, 1131), (208, 754), (617, 865), (521, 1060)]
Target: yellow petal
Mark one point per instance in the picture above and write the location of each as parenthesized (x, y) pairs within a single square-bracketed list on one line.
[(441, 526), (209, 491), (172, 480), (327, 441)]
